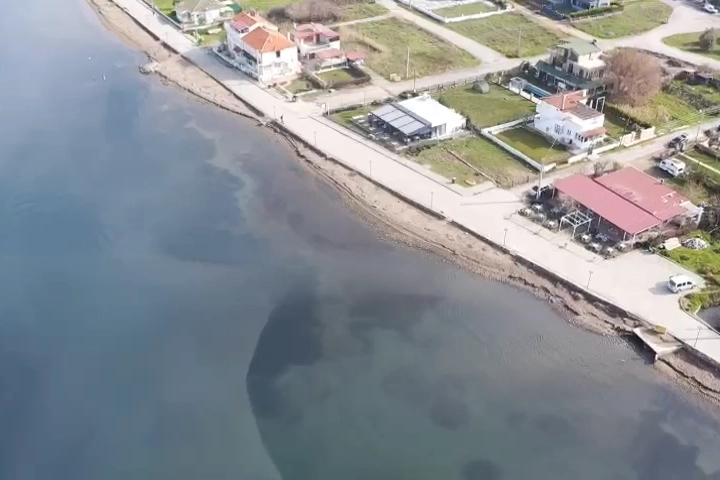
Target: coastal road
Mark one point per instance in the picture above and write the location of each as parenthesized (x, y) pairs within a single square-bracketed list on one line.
[(634, 282)]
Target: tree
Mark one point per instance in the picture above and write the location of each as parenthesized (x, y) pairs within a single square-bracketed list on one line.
[(707, 39), (636, 76)]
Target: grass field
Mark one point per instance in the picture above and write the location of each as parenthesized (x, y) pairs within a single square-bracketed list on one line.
[(345, 118), (466, 9), (639, 16), (533, 145), (299, 85), (503, 33), (386, 43), (487, 109), (484, 155), (705, 262), (708, 92), (358, 11), (689, 43), (660, 110), (333, 76), (165, 6), (615, 127)]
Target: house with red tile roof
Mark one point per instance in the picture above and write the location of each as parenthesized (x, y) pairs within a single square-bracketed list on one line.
[(568, 120), (263, 52)]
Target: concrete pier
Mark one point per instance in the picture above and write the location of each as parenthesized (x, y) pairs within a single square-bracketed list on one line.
[(659, 341)]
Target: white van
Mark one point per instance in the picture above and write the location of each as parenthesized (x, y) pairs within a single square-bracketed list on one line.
[(679, 283), (672, 166)]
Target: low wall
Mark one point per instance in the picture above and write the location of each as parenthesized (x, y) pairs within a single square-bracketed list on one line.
[(637, 137), (462, 18)]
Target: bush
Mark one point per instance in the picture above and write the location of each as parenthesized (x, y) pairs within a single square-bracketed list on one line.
[(636, 76), (625, 117), (307, 11), (707, 39), (594, 12)]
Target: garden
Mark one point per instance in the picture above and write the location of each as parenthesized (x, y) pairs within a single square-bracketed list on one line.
[(638, 16), (387, 43), (484, 156), (495, 107), (512, 34), (534, 145)]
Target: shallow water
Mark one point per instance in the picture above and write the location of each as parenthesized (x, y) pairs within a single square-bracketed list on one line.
[(181, 300)]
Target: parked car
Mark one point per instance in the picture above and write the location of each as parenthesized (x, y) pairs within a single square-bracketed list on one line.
[(672, 166), (680, 283), (678, 141), (709, 8)]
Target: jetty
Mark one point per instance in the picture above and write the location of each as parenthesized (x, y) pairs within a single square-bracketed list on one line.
[(658, 340)]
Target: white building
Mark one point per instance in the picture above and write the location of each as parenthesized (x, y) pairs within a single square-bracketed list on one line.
[(265, 54), (566, 118), (243, 24), (200, 13), (418, 118), (312, 38)]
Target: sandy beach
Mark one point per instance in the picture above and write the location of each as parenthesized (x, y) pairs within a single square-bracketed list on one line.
[(405, 224)]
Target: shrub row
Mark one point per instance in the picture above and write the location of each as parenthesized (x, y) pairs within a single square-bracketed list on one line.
[(685, 93), (594, 12), (625, 117)]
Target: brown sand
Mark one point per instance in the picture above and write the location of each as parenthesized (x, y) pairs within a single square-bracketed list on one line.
[(396, 220)]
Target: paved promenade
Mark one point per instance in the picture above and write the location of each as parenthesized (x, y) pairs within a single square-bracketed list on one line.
[(634, 282)]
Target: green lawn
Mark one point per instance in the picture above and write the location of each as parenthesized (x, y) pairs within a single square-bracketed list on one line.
[(704, 262), (616, 128), (386, 43), (661, 109), (503, 33), (212, 38), (334, 76), (639, 16), (345, 118), (165, 6), (264, 5), (358, 11), (466, 9), (708, 92), (299, 85), (689, 43), (487, 109), (533, 145), (484, 155)]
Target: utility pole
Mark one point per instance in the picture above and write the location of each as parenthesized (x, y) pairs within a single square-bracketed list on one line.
[(414, 80), (407, 64), (697, 134), (519, 41), (153, 8)]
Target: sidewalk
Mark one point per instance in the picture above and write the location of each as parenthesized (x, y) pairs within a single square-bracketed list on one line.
[(634, 281)]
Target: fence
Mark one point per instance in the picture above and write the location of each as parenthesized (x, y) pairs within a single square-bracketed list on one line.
[(490, 133), (637, 137), (461, 18)]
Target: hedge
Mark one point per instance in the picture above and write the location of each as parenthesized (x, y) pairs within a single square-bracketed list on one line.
[(594, 12), (625, 116)]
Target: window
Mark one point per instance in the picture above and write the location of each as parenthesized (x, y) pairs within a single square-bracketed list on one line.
[(559, 129), (277, 54)]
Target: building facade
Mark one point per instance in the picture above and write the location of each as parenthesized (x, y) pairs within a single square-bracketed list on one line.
[(266, 55), (243, 24), (201, 13), (569, 121), (574, 65)]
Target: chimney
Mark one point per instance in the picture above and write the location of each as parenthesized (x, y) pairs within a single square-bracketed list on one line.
[(563, 102)]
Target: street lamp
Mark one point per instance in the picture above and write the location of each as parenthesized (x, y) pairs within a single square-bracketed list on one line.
[(697, 337), (432, 198), (315, 133), (590, 272), (505, 236), (697, 134)]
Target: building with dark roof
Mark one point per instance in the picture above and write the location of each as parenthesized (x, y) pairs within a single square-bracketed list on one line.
[(417, 118), (574, 65)]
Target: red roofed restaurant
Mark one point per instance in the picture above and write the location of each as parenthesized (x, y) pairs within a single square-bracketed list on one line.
[(624, 204)]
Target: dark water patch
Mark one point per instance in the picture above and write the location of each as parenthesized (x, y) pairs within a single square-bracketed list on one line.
[(481, 470), (449, 413), (291, 337)]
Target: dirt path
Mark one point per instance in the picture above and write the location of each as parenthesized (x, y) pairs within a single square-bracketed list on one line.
[(402, 223)]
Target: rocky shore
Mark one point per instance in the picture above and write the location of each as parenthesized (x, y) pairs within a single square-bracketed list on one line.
[(405, 224)]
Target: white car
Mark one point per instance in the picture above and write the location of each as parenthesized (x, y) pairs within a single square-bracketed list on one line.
[(673, 166), (710, 8), (679, 283)]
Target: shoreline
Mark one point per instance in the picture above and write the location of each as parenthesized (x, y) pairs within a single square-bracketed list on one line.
[(397, 220)]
